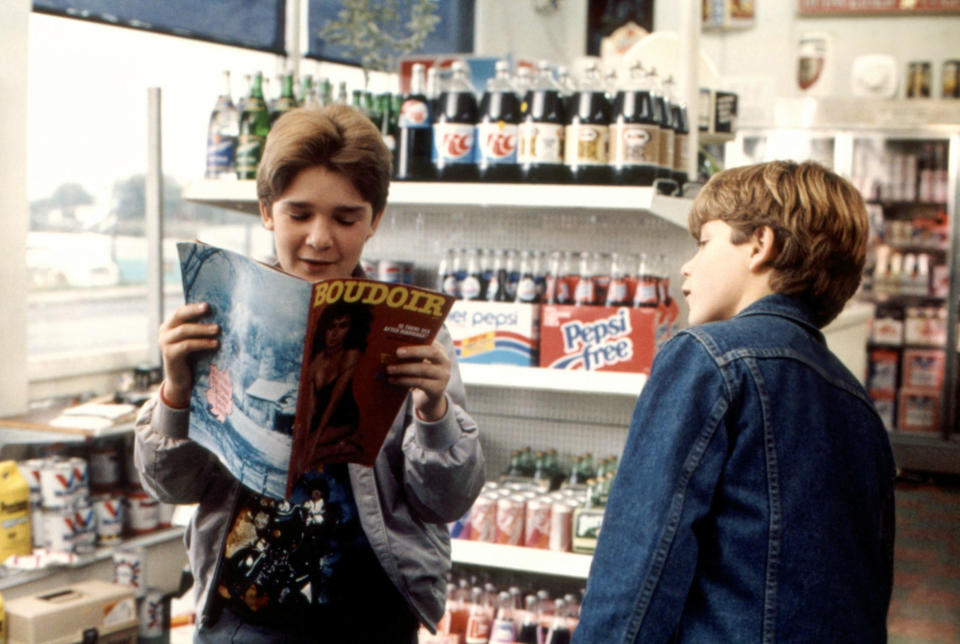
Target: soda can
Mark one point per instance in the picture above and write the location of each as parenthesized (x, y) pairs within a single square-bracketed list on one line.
[(84, 529), (142, 512), (483, 519), (510, 511), (58, 529), (81, 480), (128, 569), (109, 511), (389, 271), (536, 526), (561, 527), (57, 487), (105, 466), (153, 620)]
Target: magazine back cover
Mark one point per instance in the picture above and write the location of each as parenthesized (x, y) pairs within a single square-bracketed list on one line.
[(245, 393)]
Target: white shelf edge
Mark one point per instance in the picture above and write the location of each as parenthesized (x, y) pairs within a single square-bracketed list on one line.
[(531, 560), (561, 380), (242, 196)]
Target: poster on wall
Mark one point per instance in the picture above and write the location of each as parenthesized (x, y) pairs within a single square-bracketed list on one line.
[(728, 14), (885, 7)]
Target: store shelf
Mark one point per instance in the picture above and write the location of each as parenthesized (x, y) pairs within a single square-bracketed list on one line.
[(242, 196), (561, 380), (521, 559)]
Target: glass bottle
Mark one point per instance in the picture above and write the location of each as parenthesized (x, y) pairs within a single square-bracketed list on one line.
[(222, 134), (254, 126), (286, 101)]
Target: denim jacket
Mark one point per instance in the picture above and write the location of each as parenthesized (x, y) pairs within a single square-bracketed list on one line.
[(754, 498)]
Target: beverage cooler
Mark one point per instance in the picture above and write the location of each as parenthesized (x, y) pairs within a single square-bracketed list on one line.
[(904, 157)]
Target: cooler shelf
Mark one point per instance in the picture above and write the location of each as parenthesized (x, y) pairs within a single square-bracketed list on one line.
[(523, 559), (242, 196), (562, 380)]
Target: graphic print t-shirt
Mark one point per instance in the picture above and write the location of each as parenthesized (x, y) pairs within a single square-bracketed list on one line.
[(282, 557)]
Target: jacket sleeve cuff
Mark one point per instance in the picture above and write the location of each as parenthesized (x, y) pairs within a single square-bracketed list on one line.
[(439, 434), (170, 421)]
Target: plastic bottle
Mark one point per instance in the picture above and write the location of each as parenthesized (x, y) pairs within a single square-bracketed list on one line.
[(222, 135), (543, 118), (254, 126), (415, 131), (681, 125), (480, 620), (454, 135), (667, 133), (635, 132), (529, 632), (503, 630), (497, 128), (648, 288), (588, 130)]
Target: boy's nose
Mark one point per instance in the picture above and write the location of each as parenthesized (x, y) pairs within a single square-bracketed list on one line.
[(319, 236)]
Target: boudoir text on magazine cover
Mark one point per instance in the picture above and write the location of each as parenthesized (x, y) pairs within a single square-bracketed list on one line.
[(299, 379)]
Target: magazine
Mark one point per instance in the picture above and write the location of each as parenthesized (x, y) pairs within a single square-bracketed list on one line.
[(299, 379)]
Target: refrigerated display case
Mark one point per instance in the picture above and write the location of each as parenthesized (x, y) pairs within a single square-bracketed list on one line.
[(904, 157)]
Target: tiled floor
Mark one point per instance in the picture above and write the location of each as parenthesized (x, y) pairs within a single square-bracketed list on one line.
[(925, 607)]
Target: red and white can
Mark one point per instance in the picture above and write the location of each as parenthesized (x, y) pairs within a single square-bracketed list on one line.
[(30, 470), (128, 569), (536, 526), (81, 480), (58, 529), (105, 465), (510, 511), (56, 484), (109, 511), (561, 527), (153, 622), (483, 518), (142, 512), (85, 529)]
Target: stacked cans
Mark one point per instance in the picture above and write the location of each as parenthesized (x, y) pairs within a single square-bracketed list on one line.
[(62, 517), (519, 514)]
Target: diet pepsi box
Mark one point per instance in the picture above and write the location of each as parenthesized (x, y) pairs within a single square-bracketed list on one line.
[(495, 332)]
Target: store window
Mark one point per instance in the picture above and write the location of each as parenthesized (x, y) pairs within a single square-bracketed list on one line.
[(87, 158)]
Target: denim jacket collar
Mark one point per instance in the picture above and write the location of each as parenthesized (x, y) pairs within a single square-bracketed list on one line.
[(785, 306)]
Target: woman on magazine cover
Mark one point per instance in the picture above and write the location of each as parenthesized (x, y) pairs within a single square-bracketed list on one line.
[(356, 553)]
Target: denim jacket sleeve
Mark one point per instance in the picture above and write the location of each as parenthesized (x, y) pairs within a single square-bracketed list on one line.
[(673, 458)]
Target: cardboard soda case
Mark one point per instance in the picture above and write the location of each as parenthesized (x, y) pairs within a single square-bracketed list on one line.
[(495, 332)]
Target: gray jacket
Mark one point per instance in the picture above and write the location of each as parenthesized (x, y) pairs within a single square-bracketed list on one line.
[(426, 475)]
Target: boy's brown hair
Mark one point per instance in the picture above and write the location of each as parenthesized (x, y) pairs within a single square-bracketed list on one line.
[(337, 137), (818, 219)]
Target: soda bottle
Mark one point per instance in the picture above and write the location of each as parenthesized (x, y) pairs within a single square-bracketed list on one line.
[(503, 630), (497, 128), (601, 275), (543, 119), (648, 288), (522, 81), (254, 126), (587, 131), (559, 632), (447, 273), (618, 292), (433, 88), (513, 274), (242, 99), (286, 101), (222, 135), (480, 620), (454, 141), (681, 156), (414, 131), (567, 87), (325, 92), (527, 284), (526, 461), (496, 290), (387, 122), (634, 132), (530, 624), (470, 285), (308, 93), (666, 126), (341, 93), (540, 272), (585, 293)]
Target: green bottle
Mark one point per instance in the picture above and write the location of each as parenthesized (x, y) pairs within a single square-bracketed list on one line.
[(308, 93), (286, 102), (325, 92), (254, 125)]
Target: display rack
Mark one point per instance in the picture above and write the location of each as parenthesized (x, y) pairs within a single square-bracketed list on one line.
[(521, 559)]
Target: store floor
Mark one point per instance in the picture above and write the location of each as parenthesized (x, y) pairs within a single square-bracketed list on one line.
[(925, 607)]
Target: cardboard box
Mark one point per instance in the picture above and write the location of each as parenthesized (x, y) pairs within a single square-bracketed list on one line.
[(495, 332), (883, 371), (62, 615), (923, 368), (918, 410), (599, 338)]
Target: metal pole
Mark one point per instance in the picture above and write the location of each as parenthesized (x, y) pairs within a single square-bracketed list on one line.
[(688, 85), (949, 402), (154, 224)]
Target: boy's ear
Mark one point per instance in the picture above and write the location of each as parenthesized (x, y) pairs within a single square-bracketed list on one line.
[(266, 216), (763, 249)]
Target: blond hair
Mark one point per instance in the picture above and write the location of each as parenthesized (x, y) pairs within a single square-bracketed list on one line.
[(337, 137), (818, 219)]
